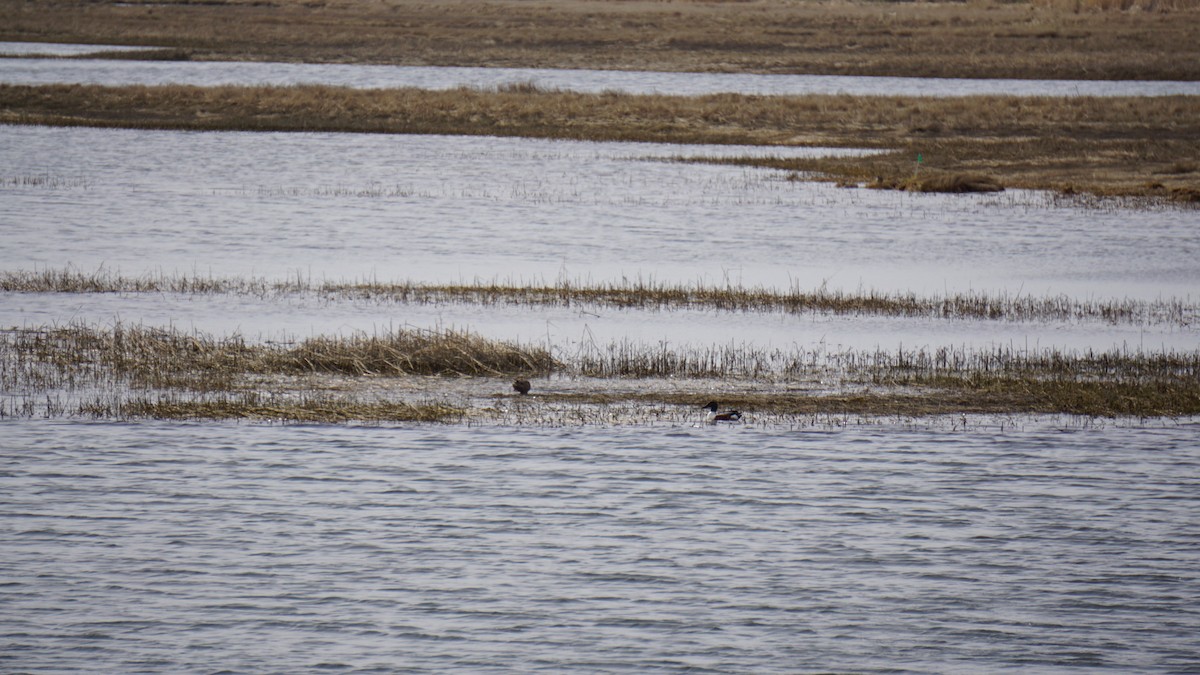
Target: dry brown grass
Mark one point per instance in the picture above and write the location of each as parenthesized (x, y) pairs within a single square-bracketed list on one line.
[(1069, 39), (413, 352), (1112, 146), (170, 359)]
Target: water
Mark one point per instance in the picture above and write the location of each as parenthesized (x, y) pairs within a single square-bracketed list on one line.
[(457, 209), (208, 73), (172, 548), (959, 544), (453, 208)]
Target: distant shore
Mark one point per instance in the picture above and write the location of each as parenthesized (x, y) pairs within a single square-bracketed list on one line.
[(1042, 39)]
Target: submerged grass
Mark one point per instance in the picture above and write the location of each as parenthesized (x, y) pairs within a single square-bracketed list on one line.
[(637, 294), (199, 377), (253, 407), (1101, 145)]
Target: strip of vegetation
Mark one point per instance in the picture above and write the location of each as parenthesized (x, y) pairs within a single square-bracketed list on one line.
[(253, 407), (999, 396), (1049, 39), (638, 294), (889, 369), (168, 359), (1112, 146), (230, 379)]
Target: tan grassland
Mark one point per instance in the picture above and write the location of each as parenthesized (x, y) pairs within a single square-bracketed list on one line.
[(1106, 146), (1063, 39)]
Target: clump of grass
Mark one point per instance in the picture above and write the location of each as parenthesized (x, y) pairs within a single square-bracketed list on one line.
[(414, 352), (166, 358), (627, 359)]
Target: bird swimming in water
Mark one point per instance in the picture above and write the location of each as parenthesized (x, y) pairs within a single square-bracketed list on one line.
[(723, 416), (521, 385)]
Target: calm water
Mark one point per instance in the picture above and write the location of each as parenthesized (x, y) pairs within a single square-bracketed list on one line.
[(453, 208), (179, 548), (206, 73)]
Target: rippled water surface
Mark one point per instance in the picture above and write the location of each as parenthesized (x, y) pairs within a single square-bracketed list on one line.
[(170, 548), (202, 73), (948, 545)]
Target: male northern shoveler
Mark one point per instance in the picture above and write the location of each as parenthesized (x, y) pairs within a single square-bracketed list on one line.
[(521, 385), (723, 416)]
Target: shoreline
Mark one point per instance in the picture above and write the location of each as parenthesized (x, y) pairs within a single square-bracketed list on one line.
[(1105, 147), (136, 372)]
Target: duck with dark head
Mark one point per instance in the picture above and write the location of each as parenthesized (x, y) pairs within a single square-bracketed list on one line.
[(715, 414)]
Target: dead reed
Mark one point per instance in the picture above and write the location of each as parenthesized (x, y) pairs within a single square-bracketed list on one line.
[(159, 358), (1118, 146), (409, 352), (639, 294), (1064, 39), (892, 368)]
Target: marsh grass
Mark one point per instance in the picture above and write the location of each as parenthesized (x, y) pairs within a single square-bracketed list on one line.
[(638, 294), (915, 382), (413, 352), (195, 377), (1101, 145), (44, 180), (1059, 39), (319, 409), (157, 358)]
